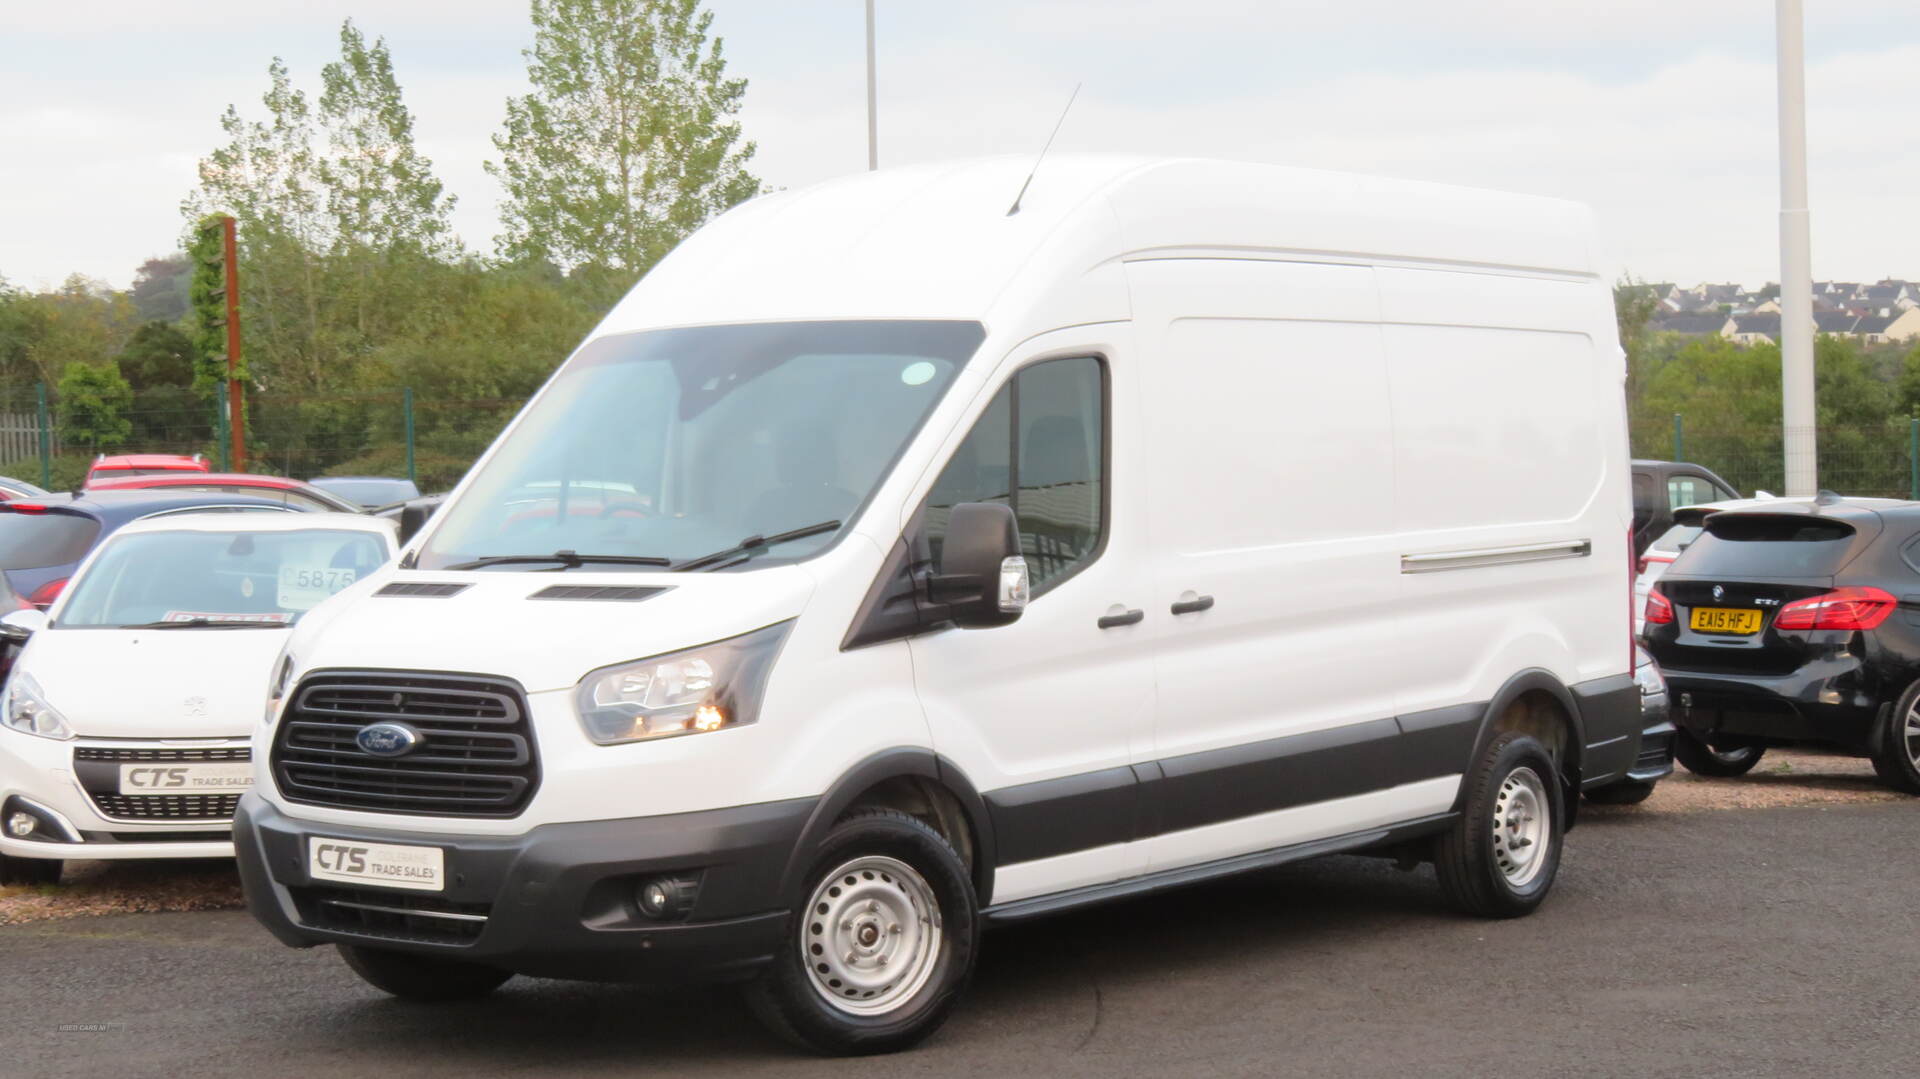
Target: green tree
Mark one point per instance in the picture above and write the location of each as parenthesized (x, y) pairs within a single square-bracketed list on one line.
[(628, 141), (380, 191), (159, 291), (157, 355), (93, 406)]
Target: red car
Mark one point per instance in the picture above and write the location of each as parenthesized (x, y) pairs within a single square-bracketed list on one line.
[(293, 492), (143, 464)]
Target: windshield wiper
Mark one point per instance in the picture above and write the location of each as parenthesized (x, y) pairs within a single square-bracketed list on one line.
[(208, 623), (566, 559), (754, 545)]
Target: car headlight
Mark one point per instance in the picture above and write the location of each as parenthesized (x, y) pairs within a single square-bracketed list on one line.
[(713, 687), (277, 688), (1648, 677), (26, 709)]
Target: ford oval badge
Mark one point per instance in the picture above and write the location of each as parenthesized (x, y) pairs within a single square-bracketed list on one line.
[(388, 739)]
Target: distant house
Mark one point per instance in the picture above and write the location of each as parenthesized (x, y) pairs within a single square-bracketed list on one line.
[(1893, 328), (1693, 325), (1752, 329)]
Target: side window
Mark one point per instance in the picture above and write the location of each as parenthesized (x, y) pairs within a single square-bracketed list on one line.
[(1039, 448), (1689, 491)]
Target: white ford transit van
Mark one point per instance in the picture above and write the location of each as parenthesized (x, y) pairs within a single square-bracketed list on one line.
[(892, 563)]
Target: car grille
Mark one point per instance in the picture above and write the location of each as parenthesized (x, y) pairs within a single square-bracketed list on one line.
[(476, 757), (94, 766), (97, 753), (166, 806), (391, 916)]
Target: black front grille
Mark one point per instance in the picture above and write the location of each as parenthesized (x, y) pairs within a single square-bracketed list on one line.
[(390, 915), (96, 753), (166, 806), (475, 758)]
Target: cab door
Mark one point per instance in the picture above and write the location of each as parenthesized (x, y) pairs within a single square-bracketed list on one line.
[(1047, 716)]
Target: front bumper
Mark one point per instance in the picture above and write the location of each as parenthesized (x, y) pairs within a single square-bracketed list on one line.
[(1655, 758), (41, 777), (557, 901), (1827, 701)]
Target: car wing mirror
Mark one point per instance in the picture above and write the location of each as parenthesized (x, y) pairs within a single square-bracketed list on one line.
[(21, 624), (414, 515), (982, 578)]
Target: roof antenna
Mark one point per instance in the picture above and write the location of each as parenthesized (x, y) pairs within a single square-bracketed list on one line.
[(1015, 208)]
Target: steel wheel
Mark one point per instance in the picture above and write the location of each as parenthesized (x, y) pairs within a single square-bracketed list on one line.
[(1521, 827), (872, 936)]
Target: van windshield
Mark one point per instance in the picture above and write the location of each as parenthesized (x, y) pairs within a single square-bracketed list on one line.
[(664, 446)]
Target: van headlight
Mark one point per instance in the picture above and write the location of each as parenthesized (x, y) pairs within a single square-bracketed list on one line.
[(710, 688), (277, 688), (26, 709)]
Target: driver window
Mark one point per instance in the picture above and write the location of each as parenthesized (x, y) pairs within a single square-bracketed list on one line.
[(1038, 447)]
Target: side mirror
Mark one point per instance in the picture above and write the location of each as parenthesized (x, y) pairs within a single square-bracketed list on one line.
[(981, 577), (19, 625), (414, 515)]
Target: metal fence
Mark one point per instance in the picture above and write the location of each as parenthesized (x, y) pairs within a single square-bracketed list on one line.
[(1874, 460), (392, 434)]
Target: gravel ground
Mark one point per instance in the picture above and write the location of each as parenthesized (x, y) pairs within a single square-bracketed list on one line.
[(1783, 778)]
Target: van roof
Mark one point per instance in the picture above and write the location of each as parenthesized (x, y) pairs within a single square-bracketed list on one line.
[(937, 241)]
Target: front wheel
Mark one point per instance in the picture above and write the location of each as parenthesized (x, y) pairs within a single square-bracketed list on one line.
[(422, 977), (1704, 760), (1896, 757), (875, 959), (1499, 859)]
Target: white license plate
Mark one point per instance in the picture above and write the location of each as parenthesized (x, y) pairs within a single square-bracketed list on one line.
[(420, 868), (164, 778)]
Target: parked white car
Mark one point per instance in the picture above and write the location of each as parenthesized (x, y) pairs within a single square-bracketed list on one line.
[(895, 561), (124, 724)]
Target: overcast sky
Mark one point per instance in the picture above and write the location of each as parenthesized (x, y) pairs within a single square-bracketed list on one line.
[(1661, 113)]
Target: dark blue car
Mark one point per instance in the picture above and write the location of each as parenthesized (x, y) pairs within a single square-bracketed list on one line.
[(44, 539)]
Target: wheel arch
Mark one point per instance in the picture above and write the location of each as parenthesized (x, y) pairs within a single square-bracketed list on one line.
[(915, 781), (1535, 701)]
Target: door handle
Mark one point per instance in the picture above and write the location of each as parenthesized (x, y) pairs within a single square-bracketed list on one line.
[(1126, 617), (1192, 604)]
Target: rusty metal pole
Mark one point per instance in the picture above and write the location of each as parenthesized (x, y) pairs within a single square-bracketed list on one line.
[(236, 423)]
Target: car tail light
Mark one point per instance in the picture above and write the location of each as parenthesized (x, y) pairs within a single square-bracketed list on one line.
[(24, 507), (1659, 609), (1842, 608), (44, 595)]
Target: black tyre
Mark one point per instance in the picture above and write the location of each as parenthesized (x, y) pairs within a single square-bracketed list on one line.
[(1500, 858), (1724, 762), (883, 939), (29, 870), (1897, 754), (422, 977), (1624, 793)]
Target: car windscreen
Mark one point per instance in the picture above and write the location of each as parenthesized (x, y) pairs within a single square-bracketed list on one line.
[(670, 445), (370, 492), (195, 577), (38, 540), (1736, 546)]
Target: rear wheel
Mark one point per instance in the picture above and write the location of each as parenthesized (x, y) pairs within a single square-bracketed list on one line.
[(1624, 793), (1897, 754), (1499, 859), (877, 956), (1723, 762), (29, 870), (422, 977)]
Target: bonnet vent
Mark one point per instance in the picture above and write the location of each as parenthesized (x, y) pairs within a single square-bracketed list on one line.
[(617, 593), (423, 589)]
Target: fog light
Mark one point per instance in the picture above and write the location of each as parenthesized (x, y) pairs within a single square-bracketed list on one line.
[(666, 898), (21, 825)]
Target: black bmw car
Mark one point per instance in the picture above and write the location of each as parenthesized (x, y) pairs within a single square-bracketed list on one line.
[(1795, 623)]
